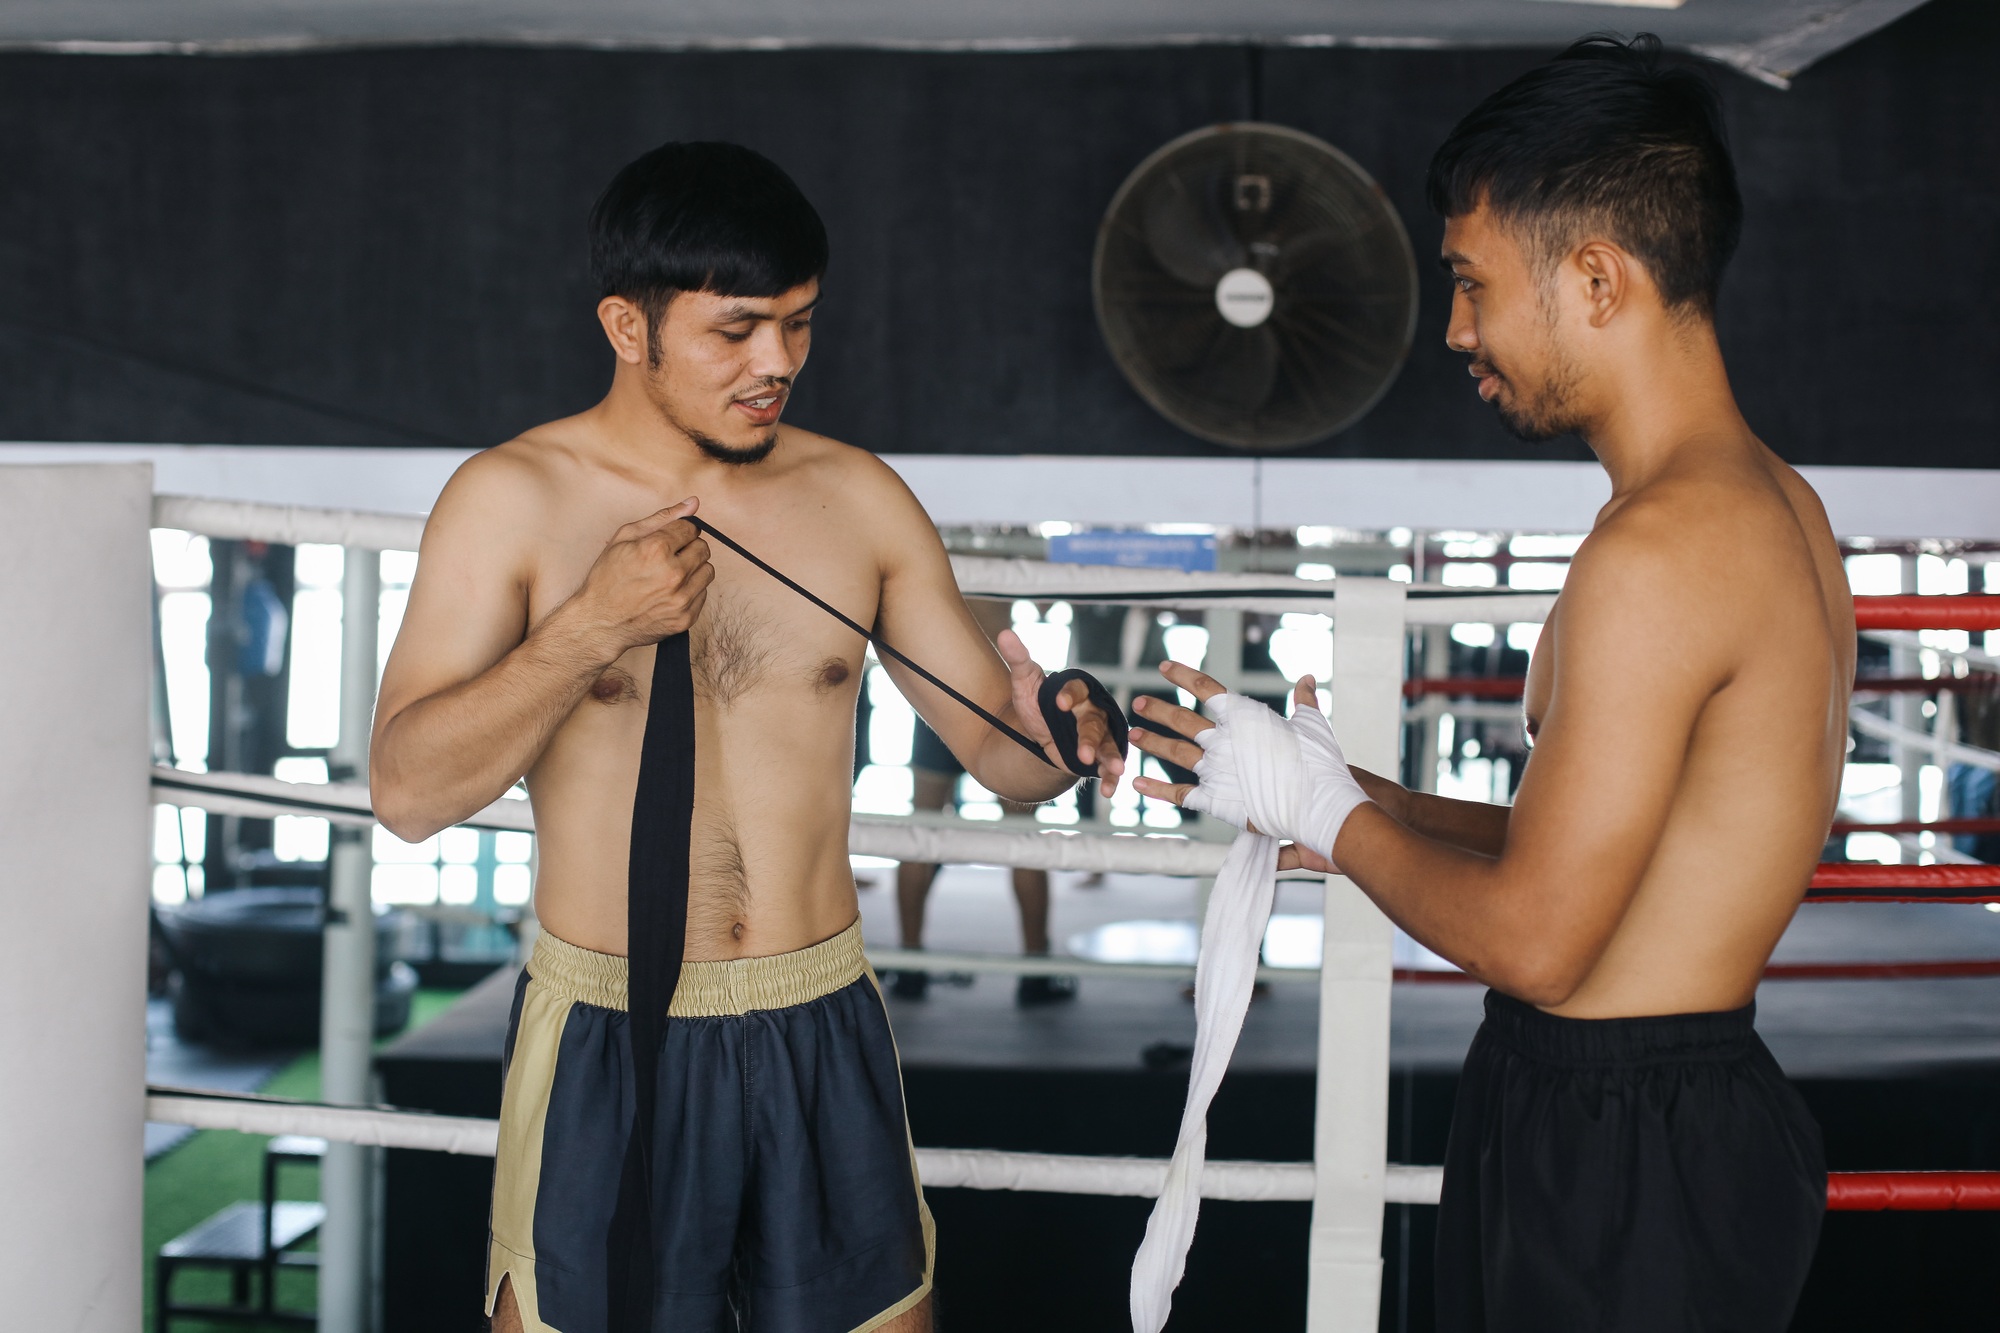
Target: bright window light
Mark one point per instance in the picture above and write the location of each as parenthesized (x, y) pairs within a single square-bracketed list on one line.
[(1400, 537), (1467, 546), (180, 559), (1470, 576), (194, 832), (1056, 528), (1522, 638), (1937, 576), (513, 847), (389, 623), (300, 768), (1930, 792), (399, 568), (975, 802), (891, 720), (1187, 643), (1536, 576), (459, 846), (1875, 575), (883, 789), (1314, 535), (1314, 571), (316, 565), (1473, 634), (169, 886), (167, 834), (1542, 546), (1154, 813), (1399, 573), (299, 838), (1302, 645), (511, 885), (458, 886), (1062, 810), (1876, 847), (405, 885), (184, 649)]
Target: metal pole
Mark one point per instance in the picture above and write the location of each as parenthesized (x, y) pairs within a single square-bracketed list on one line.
[(1351, 1115), (347, 1013)]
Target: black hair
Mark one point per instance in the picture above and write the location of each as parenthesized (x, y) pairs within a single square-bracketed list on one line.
[(703, 217), (1609, 138)]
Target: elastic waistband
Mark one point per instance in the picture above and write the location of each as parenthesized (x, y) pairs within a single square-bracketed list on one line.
[(711, 989), (1608, 1042)]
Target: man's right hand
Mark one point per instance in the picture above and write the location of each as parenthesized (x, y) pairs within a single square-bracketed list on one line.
[(649, 582)]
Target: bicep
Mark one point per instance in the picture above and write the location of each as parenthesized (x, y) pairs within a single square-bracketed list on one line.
[(1633, 670), (924, 616), (467, 608)]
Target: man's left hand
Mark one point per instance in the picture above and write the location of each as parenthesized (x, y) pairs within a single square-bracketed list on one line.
[(1094, 744)]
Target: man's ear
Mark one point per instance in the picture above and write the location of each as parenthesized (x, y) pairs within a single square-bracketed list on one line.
[(625, 327), (1609, 273)]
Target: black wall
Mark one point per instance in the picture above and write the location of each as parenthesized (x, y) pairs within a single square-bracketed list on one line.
[(386, 247)]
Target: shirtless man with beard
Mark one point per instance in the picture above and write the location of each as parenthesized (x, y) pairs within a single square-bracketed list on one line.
[(784, 1195), (1625, 1155)]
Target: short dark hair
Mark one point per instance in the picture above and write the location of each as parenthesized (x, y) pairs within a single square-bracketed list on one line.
[(1609, 138), (703, 217)]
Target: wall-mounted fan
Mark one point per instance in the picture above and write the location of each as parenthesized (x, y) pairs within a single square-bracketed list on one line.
[(1255, 286)]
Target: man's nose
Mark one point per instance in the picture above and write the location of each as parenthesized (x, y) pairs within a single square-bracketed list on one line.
[(770, 355), (1461, 333)]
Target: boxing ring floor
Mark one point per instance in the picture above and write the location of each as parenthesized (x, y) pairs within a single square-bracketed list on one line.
[(1898, 1072)]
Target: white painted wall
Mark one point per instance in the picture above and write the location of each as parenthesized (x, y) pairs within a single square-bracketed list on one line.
[(75, 652)]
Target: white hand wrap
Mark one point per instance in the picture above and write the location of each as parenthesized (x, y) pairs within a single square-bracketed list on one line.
[(1287, 776), (1289, 779)]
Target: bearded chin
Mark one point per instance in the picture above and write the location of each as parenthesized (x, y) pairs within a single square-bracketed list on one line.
[(738, 455)]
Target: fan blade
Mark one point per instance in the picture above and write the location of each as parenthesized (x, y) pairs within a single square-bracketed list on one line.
[(1239, 372), (1187, 235)]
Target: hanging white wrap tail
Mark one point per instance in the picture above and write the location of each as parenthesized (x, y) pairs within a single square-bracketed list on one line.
[(1287, 776)]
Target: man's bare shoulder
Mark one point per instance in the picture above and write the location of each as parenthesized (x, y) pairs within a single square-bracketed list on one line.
[(868, 487), (508, 488)]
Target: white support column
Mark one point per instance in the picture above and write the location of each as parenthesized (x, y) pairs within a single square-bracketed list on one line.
[(347, 988), (1351, 1130), (1906, 711), (74, 862)]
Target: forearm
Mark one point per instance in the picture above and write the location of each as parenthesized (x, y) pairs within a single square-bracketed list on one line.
[(1477, 910), (450, 754), (1474, 826), (1005, 768)]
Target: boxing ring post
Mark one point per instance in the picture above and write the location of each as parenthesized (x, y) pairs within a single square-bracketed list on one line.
[(1351, 1109), (75, 672), (347, 985)]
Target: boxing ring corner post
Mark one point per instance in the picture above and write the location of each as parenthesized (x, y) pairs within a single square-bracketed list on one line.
[(75, 675), (1351, 1104)]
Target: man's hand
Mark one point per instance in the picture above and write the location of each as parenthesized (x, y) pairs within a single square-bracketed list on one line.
[(648, 583), (1093, 731), (1309, 810)]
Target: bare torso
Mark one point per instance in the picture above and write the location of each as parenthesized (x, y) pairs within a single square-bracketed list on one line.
[(1763, 765), (775, 688)]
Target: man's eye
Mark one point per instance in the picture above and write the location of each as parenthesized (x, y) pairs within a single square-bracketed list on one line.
[(1464, 284), (799, 324), (735, 337)]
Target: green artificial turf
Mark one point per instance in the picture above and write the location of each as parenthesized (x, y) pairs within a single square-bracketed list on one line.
[(212, 1169)]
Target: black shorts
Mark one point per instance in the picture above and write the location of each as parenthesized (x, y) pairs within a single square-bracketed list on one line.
[(1624, 1175), (929, 752), (785, 1188)]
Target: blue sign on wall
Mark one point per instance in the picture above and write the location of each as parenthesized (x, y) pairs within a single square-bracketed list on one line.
[(1135, 550)]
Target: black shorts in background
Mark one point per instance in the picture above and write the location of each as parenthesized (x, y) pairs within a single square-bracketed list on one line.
[(1625, 1175)]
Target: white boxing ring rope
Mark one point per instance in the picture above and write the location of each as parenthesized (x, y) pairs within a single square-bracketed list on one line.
[(1348, 1181), (939, 1168)]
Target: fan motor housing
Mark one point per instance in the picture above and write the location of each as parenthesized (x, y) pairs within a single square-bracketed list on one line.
[(1255, 286)]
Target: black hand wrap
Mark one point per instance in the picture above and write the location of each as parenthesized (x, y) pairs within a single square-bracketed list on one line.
[(1062, 725)]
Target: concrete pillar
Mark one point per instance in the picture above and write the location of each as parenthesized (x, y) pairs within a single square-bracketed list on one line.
[(347, 1013), (74, 881)]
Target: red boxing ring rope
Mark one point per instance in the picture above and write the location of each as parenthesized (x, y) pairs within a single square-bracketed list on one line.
[(1916, 611), (1912, 1191)]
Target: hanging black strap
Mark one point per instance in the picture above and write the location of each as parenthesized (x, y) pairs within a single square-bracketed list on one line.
[(656, 900)]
